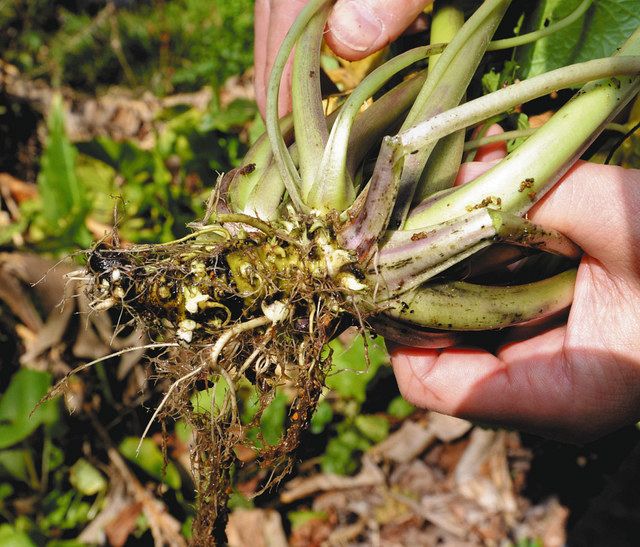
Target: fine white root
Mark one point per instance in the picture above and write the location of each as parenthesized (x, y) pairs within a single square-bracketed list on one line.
[(118, 353), (214, 356), (164, 401)]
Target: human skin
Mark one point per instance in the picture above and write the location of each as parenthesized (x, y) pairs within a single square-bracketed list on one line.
[(576, 381), (355, 29)]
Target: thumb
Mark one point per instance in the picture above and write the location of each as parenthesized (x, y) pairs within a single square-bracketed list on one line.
[(357, 28)]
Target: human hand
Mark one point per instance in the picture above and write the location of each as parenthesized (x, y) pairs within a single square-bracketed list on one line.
[(355, 29), (574, 382)]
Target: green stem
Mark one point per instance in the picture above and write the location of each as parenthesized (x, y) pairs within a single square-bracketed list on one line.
[(369, 127), (473, 112), (447, 20), (288, 171), (444, 88), (516, 41), (442, 167), (468, 307), (523, 134), (261, 155), (308, 114), (563, 137), (333, 189)]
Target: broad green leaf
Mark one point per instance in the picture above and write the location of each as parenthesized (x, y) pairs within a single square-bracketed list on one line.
[(238, 501), (13, 463), (10, 537), (5, 490), (374, 428), (350, 373), (399, 408), (64, 203), (151, 460), (201, 400), (603, 28), (339, 457), (86, 479), (19, 416), (65, 510), (272, 421), (321, 417)]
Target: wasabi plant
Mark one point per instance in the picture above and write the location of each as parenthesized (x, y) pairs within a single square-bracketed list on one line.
[(305, 238)]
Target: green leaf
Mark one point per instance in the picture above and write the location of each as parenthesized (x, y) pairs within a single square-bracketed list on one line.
[(65, 510), (399, 408), (235, 115), (350, 373), (272, 421), (6, 490), (13, 463), (151, 460), (86, 479), (374, 428), (322, 416), (201, 400), (17, 404), (238, 501), (298, 518), (64, 204), (339, 457), (603, 28), (10, 537)]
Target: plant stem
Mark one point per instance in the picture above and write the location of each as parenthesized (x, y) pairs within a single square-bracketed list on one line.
[(523, 134), (442, 167), (333, 189), (508, 43), (288, 171), (308, 114), (408, 258), (469, 307), (563, 137), (444, 88), (370, 214), (261, 155), (477, 110)]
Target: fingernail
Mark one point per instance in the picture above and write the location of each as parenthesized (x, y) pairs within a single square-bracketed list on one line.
[(357, 28)]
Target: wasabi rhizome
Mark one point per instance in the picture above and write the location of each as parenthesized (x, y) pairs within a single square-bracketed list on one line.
[(309, 235)]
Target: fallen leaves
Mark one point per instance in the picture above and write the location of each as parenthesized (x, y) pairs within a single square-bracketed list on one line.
[(434, 480)]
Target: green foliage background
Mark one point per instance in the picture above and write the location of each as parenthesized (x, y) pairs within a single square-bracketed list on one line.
[(161, 45), (168, 46)]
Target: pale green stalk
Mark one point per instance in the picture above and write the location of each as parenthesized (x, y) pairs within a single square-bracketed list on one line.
[(442, 166), (333, 189), (288, 171), (308, 113), (444, 88), (473, 144), (516, 41), (558, 141), (261, 155), (468, 307)]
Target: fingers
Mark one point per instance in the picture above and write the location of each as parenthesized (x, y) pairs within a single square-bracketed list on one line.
[(475, 384), (494, 151), (261, 34), (357, 28), (598, 207), (539, 385), (273, 18)]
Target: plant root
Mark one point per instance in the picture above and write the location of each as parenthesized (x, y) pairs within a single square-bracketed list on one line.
[(253, 311)]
